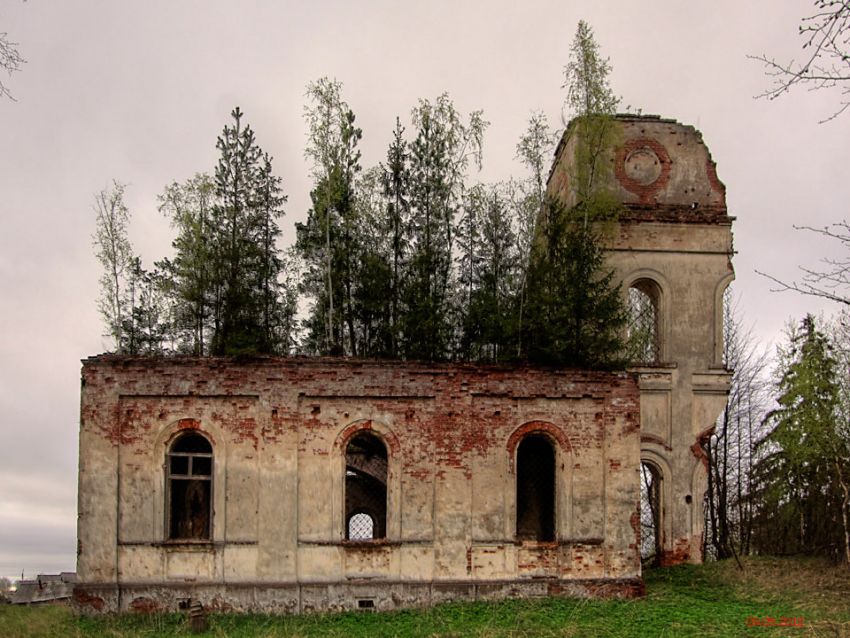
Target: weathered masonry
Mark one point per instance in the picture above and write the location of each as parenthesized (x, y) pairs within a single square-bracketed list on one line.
[(293, 485), (672, 250)]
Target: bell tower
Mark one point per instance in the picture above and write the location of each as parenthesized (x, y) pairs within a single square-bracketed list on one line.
[(671, 248)]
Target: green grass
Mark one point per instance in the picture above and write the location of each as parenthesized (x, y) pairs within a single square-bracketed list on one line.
[(715, 599)]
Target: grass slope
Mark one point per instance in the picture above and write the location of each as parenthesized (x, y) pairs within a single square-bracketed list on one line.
[(715, 599)]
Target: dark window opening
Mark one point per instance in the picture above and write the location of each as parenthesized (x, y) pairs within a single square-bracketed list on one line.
[(535, 489), (365, 488), (650, 515), (643, 339), (189, 482)]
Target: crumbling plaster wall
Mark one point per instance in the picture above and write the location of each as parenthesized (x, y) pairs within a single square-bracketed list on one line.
[(279, 428), (675, 231)]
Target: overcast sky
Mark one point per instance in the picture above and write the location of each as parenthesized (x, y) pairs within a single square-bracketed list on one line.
[(138, 91)]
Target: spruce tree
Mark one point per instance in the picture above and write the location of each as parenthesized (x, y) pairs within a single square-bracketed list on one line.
[(237, 328), (147, 327), (490, 273), (426, 326), (269, 200), (800, 504), (575, 313), (396, 191), (244, 258), (372, 301)]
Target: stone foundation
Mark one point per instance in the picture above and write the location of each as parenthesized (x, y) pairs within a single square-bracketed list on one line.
[(297, 598)]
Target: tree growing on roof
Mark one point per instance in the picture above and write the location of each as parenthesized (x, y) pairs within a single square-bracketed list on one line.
[(115, 254), (327, 240), (440, 155), (575, 313)]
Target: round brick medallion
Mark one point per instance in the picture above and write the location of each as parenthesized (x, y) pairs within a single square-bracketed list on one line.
[(643, 166)]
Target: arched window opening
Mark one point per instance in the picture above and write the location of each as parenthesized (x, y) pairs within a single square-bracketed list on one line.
[(643, 338), (365, 488), (361, 527), (535, 489), (189, 471), (650, 515)]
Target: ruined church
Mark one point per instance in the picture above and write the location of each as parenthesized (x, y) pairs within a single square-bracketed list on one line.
[(295, 484)]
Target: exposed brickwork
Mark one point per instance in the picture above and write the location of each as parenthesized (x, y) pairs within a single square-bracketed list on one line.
[(85, 601), (686, 189), (553, 432), (675, 214), (682, 552), (389, 438), (645, 191), (144, 605), (711, 172), (699, 447), (279, 429)]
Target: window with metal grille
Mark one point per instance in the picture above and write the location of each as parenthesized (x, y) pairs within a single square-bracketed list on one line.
[(189, 479), (535, 489), (650, 514), (365, 487), (361, 527), (643, 339)]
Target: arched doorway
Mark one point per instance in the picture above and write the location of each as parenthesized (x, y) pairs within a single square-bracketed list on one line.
[(651, 514)]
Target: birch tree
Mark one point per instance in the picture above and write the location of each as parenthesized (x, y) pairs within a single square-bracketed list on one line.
[(326, 239), (115, 254), (593, 104), (196, 291), (534, 150)]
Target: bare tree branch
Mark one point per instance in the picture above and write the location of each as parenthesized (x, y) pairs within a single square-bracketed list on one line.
[(833, 282), (10, 61), (826, 35)]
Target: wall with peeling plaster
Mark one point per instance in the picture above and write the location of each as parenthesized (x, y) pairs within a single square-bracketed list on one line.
[(279, 428)]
